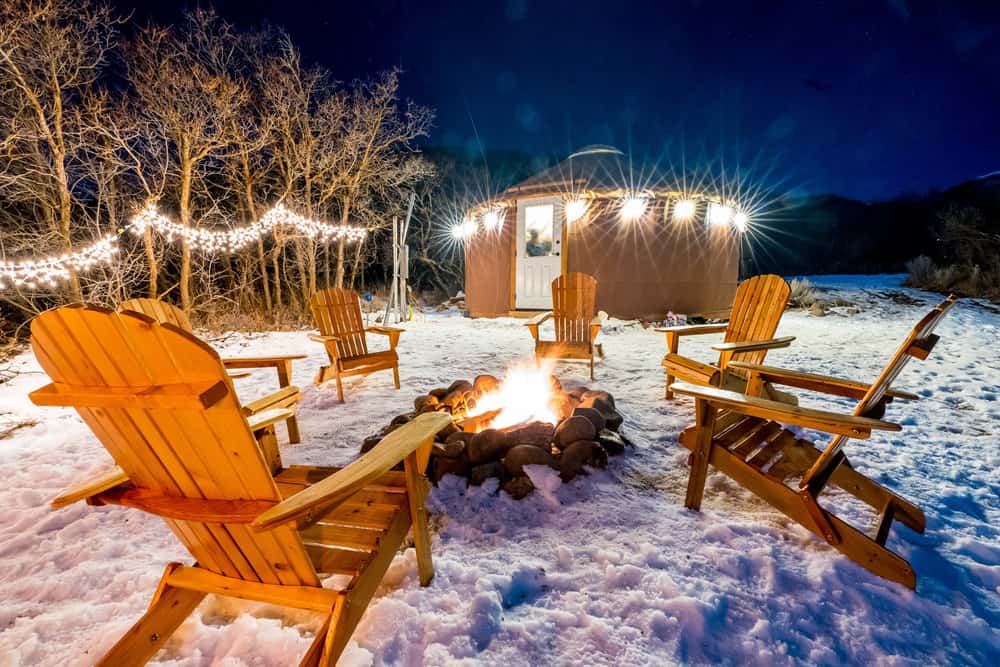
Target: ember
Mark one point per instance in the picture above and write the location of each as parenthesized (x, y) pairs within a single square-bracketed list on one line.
[(528, 418)]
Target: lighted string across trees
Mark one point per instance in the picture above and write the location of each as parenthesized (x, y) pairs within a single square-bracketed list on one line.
[(266, 169)]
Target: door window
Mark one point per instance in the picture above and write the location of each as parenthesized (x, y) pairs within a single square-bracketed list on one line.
[(538, 230)]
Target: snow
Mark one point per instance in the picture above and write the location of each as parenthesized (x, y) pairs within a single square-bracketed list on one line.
[(605, 570)]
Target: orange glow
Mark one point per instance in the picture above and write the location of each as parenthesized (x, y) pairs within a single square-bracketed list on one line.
[(523, 396)]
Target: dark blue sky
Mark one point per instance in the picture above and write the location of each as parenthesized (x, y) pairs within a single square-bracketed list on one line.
[(865, 99)]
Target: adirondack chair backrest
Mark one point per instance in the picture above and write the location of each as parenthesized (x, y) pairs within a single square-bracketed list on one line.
[(757, 309), (573, 299), (918, 343), (161, 311), (161, 403), (338, 313)]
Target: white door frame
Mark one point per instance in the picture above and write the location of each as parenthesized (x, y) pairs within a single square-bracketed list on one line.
[(534, 275)]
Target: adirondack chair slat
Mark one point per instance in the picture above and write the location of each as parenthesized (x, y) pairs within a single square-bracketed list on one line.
[(288, 395), (760, 453), (337, 313), (199, 466), (573, 303), (754, 317)]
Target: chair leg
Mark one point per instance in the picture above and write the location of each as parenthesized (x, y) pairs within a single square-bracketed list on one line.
[(854, 544), (700, 454), (395, 375), (667, 394), (340, 387), (416, 490), (591, 365), (293, 430), (324, 651), (169, 608)]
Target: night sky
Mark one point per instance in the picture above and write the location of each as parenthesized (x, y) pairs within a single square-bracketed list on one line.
[(867, 99)]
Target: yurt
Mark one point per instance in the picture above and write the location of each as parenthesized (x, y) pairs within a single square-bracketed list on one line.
[(653, 245)]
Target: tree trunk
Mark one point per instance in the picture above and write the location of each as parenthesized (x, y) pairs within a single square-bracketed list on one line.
[(357, 261), (262, 262), (344, 215), (185, 205), (154, 269)]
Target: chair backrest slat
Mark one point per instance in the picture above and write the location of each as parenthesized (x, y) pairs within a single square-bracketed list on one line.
[(573, 300), (757, 309), (197, 453), (338, 313), (922, 332), (161, 311)]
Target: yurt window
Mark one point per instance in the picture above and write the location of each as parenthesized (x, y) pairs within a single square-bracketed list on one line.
[(538, 222)]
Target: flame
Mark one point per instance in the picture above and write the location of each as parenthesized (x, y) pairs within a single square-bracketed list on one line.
[(523, 396)]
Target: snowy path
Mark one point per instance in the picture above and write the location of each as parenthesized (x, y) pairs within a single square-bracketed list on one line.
[(606, 570)]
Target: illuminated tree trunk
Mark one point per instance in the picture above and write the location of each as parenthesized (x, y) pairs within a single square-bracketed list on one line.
[(154, 269), (185, 204)]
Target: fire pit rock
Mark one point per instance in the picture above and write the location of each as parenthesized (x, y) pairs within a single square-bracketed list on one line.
[(584, 435)]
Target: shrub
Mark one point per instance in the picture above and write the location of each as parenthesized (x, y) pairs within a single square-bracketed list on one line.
[(920, 271), (803, 294)]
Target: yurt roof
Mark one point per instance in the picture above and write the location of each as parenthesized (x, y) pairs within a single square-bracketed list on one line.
[(595, 167)]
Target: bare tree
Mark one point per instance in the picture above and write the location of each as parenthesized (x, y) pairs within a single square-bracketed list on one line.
[(183, 78), (51, 55), (372, 157)]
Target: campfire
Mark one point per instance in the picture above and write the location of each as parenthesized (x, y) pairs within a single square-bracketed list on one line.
[(528, 418)]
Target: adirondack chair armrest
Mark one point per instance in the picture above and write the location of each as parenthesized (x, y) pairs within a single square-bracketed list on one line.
[(820, 420), (596, 323), (320, 338), (392, 332), (272, 361), (727, 350), (692, 329), (90, 487), (754, 346), (535, 322), (309, 505), (282, 363), (826, 384)]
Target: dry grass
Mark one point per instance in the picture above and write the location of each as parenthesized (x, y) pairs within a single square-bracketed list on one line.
[(803, 294), (962, 279)]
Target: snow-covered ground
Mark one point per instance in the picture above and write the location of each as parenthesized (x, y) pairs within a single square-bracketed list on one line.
[(606, 570)]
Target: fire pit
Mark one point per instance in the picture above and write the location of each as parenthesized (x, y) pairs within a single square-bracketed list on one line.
[(528, 418)]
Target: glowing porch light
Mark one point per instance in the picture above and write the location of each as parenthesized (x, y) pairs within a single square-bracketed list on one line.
[(633, 208), (741, 221), (684, 209), (575, 209), (493, 219), (719, 214), (469, 228)]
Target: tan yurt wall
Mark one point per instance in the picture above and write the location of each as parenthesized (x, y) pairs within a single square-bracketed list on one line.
[(488, 264), (647, 267)]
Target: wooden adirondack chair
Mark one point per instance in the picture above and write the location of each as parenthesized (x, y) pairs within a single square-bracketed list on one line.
[(743, 436), (756, 311), (573, 298), (342, 331), (161, 403), (287, 396)]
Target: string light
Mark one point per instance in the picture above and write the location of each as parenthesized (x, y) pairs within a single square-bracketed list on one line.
[(741, 221), (494, 218), (234, 240), (575, 209), (51, 271), (633, 208), (719, 214), (684, 209)]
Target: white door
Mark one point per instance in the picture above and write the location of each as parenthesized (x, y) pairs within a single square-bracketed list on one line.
[(539, 246)]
